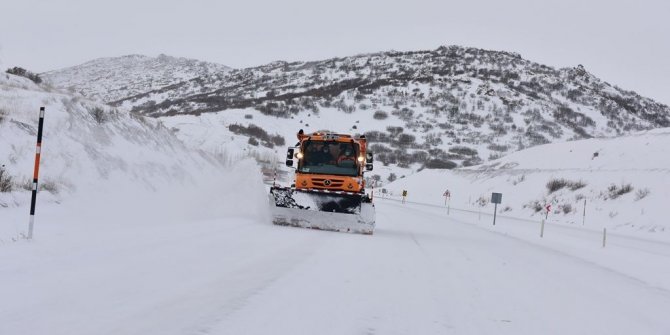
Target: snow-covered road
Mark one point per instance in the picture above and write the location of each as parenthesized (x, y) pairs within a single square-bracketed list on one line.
[(422, 272)]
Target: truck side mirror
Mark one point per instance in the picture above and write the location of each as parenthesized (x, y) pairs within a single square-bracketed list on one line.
[(368, 161), (289, 157)]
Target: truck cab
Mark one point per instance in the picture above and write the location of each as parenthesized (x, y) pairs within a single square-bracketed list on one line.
[(327, 161)]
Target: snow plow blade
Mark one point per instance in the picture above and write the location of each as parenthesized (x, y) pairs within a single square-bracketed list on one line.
[(352, 213)]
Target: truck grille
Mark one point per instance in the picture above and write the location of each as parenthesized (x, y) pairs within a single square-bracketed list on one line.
[(321, 182)]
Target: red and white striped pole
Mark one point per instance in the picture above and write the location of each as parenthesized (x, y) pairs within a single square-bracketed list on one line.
[(38, 151)]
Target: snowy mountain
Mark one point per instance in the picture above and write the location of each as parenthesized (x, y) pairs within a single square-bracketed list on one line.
[(442, 108), (110, 79), (622, 181)]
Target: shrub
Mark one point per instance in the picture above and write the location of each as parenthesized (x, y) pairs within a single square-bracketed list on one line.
[(49, 186), (392, 177), (521, 179), (258, 133), (567, 208), (404, 114), (378, 148), (419, 156), (3, 115), (6, 184), (19, 71), (575, 185), (498, 147), (248, 116), (557, 184), (380, 115), (440, 164), (463, 151), (573, 119), (535, 205), (406, 139), (278, 140), (472, 161), (394, 131), (253, 141), (98, 115), (614, 191), (433, 139), (641, 193), (377, 136), (26, 184)]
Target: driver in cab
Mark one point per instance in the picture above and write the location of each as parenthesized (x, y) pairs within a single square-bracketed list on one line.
[(346, 157), (319, 154)]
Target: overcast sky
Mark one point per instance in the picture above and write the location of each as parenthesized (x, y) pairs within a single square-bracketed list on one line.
[(626, 43)]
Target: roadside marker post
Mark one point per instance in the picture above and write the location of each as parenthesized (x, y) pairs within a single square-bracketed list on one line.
[(447, 200), (542, 230), (38, 152)]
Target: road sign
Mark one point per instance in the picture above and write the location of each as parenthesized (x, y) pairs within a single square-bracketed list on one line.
[(496, 198), (548, 208)]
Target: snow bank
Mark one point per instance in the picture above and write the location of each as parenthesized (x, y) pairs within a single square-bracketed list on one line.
[(103, 164)]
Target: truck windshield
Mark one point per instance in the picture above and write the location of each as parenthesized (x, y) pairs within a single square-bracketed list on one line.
[(329, 157)]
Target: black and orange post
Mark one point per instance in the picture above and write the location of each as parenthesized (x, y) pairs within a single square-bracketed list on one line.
[(38, 152)]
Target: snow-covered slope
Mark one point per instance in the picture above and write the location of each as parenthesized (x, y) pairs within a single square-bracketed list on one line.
[(92, 151), (623, 182), (219, 133), (640, 151), (114, 78), (452, 106)]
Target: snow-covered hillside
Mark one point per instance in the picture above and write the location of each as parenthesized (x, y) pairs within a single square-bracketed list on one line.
[(452, 106), (91, 151), (240, 133), (623, 182), (114, 78)]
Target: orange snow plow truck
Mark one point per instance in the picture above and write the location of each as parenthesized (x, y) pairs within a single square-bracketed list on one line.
[(328, 191)]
